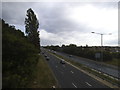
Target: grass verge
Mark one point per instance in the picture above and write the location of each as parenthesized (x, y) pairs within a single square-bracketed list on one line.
[(43, 76), (115, 62), (100, 75)]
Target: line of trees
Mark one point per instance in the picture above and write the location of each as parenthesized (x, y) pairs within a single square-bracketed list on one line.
[(85, 52), (19, 53)]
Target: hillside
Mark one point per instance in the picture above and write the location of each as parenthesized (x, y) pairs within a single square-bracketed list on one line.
[(20, 60)]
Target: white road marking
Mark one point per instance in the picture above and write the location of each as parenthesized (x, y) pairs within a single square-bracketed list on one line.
[(56, 66), (74, 85), (71, 71), (88, 84)]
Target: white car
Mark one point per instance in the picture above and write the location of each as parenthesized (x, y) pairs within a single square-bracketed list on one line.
[(70, 55), (62, 61), (47, 58)]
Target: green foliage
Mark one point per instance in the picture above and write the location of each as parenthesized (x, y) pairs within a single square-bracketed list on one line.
[(19, 57), (32, 25), (107, 56), (43, 76)]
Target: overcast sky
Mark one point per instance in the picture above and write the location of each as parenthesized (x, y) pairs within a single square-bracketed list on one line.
[(68, 22)]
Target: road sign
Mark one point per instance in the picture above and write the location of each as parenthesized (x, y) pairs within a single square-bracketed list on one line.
[(97, 55)]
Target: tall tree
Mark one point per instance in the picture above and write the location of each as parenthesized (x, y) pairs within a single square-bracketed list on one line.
[(31, 26)]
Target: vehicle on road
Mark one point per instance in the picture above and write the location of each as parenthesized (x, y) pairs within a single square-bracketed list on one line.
[(54, 52), (45, 55), (70, 55), (62, 61), (47, 58)]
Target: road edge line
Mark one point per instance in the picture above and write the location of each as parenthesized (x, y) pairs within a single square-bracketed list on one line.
[(91, 75)]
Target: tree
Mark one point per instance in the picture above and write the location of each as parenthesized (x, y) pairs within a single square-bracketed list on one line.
[(31, 26)]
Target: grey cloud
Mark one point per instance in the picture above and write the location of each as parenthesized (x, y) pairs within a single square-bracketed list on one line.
[(106, 4), (15, 12), (52, 16), (63, 25), (113, 42), (55, 21), (49, 42)]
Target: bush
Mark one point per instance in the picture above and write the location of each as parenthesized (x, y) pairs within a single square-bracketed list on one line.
[(19, 57)]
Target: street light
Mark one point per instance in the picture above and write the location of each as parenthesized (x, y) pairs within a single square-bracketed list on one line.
[(102, 36), (60, 44), (101, 42)]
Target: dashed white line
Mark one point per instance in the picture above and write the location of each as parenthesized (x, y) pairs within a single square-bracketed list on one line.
[(88, 84), (71, 71), (74, 85)]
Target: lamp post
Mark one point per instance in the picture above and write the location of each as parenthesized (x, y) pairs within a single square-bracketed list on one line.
[(101, 42), (60, 44), (101, 36)]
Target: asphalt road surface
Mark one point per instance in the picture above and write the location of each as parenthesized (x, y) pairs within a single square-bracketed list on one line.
[(70, 77), (94, 65)]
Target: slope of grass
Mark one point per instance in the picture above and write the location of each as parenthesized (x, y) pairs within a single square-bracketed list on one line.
[(115, 62), (43, 76)]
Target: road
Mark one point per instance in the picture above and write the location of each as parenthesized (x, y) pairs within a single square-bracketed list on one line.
[(94, 65), (70, 77)]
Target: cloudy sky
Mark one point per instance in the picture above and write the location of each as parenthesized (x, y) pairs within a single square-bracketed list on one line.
[(68, 22)]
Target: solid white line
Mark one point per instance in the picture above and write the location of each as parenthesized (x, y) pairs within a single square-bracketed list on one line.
[(72, 72), (74, 85), (88, 84)]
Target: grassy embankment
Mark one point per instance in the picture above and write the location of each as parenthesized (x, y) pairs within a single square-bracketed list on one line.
[(43, 76), (115, 62), (98, 74), (21, 64)]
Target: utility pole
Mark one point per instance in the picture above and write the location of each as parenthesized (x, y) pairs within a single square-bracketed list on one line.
[(60, 44), (101, 42)]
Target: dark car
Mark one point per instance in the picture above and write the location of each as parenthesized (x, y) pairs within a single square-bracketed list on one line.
[(62, 61), (45, 55), (42, 52), (70, 55)]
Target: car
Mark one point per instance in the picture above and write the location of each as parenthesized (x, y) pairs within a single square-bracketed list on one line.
[(70, 55), (62, 61), (47, 58), (54, 52), (45, 55)]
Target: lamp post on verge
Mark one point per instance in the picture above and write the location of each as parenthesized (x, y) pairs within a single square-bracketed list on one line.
[(101, 42), (60, 44)]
